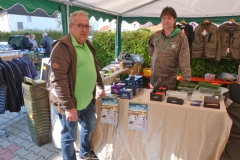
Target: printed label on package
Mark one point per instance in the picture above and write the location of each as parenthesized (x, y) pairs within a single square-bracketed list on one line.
[(109, 112), (137, 116)]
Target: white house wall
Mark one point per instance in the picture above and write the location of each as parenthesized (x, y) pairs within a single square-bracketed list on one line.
[(40, 23), (4, 23)]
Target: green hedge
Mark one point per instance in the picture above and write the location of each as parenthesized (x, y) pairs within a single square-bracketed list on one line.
[(4, 36), (104, 43), (135, 42)]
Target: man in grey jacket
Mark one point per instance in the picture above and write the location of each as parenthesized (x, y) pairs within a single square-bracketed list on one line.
[(46, 44), (169, 50)]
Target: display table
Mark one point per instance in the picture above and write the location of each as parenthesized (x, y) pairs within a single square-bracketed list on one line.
[(174, 132)]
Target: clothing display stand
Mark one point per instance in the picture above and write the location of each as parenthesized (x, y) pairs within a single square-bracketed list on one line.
[(6, 56)]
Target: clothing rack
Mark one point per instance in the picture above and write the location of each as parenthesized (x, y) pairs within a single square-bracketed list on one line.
[(8, 56)]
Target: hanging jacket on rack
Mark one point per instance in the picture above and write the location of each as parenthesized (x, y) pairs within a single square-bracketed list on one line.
[(206, 42), (18, 80), (188, 31), (12, 74), (21, 66), (31, 67), (12, 90), (230, 41), (3, 92)]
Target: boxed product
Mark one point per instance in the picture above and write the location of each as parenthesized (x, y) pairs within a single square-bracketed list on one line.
[(212, 102), (198, 96), (157, 96), (126, 93), (115, 88), (135, 90), (209, 76), (177, 94), (196, 103), (137, 58), (188, 87), (132, 83), (175, 100)]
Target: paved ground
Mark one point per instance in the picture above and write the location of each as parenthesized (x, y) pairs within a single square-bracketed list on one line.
[(18, 144)]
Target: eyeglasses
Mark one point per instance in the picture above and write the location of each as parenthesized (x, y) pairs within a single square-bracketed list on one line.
[(82, 26)]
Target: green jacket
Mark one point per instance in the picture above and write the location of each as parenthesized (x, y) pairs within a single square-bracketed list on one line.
[(207, 46), (63, 76), (168, 54)]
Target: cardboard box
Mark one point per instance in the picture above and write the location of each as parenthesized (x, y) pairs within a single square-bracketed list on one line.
[(212, 102), (126, 93), (175, 100), (115, 88), (135, 90), (158, 96), (131, 83), (139, 79)]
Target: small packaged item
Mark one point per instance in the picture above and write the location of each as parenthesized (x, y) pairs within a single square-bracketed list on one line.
[(175, 100), (209, 76), (198, 96), (157, 96), (177, 94), (212, 102), (195, 103)]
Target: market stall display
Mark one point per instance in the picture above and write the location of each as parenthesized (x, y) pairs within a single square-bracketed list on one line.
[(174, 131)]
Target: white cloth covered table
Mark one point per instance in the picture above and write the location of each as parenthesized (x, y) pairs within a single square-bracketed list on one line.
[(174, 132)]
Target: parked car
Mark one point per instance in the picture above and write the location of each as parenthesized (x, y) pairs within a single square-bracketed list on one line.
[(4, 46), (15, 41)]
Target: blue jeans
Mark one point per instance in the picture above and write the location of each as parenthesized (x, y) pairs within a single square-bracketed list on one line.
[(87, 120)]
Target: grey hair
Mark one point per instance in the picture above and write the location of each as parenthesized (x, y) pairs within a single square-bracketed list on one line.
[(77, 13), (44, 34), (31, 35)]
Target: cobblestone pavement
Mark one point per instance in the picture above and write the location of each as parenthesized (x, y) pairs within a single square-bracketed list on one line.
[(17, 143)]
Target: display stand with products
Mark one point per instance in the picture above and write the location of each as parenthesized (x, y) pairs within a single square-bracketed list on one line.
[(173, 131)]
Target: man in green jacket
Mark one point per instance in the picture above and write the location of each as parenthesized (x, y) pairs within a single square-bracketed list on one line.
[(74, 76), (169, 50)]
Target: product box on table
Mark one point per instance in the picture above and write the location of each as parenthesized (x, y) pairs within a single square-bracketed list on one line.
[(157, 96), (126, 93), (139, 78), (115, 88), (212, 102), (175, 100), (135, 90), (133, 83)]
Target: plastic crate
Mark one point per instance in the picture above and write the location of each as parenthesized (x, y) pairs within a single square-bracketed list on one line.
[(34, 89), (39, 120)]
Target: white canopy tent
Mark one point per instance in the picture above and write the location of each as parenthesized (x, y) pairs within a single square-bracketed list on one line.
[(141, 11), (149, 10), (153, 8)]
